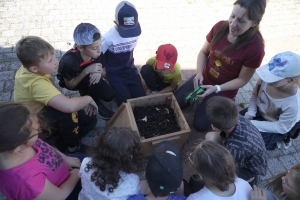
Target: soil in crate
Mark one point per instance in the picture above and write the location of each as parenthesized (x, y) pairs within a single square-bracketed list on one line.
[(155, 120)]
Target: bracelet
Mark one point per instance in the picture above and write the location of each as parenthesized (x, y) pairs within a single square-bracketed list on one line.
[(218, 89)]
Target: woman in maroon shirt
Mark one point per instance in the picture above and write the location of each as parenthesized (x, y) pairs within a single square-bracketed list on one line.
[(232, 51)]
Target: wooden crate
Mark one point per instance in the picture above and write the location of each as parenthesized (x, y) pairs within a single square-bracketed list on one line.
[(124, 118)]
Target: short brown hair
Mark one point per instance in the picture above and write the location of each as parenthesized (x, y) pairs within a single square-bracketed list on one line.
[(215, 164), (31, 49), (222, 112)]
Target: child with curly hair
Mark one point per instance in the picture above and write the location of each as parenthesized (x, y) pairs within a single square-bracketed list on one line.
[(109, 172)]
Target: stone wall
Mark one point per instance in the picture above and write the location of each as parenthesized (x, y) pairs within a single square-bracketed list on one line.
[(183, 23)]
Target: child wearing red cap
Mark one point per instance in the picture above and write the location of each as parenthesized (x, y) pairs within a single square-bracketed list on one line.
[(162, 73)]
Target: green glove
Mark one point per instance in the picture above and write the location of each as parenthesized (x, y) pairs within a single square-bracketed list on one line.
[(192, 97)]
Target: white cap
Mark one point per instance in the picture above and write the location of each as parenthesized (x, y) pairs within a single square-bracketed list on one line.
[(281, 66)]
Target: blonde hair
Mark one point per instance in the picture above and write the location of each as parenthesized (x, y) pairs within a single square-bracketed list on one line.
[(275, 184), (31, 49)]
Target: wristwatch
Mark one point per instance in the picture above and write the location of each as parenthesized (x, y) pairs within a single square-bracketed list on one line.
[(218, 89)]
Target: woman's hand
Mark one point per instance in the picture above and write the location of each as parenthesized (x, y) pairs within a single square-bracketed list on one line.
[(198, 80), (72, 162), (258, 194), (208, 90)]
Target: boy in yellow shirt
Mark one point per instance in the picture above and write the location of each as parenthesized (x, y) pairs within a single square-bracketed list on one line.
[(162, 73), (71, 118)]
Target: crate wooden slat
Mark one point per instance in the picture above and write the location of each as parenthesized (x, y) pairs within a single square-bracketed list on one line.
[(124, 118)]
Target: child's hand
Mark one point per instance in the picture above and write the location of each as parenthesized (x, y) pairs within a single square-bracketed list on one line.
[(74, 172), (95, 78), (248, 116), (91, 108), (72, 162), (148, 91), (258, 194), (93, 68)]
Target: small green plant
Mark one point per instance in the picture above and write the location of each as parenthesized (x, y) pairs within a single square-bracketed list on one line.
[(242, 105)]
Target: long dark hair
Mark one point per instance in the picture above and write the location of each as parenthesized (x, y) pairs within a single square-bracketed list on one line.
[(117, 149), (15, 125), (255, 11), (275, 185)]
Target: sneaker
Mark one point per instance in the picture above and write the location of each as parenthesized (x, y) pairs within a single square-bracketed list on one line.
[(284, 145), (104, 112), (153, 92)]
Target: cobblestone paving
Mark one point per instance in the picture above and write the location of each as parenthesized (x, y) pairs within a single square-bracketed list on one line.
[(183, 23)]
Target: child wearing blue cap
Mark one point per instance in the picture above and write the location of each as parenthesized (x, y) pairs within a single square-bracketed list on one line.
[(275, 102), (118, 44), (80, 68)]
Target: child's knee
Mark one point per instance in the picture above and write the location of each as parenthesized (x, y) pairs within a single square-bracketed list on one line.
[(145, 69)]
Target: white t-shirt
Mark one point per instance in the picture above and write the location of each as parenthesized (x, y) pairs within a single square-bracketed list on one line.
[(128, 185), (242, 192), (280, 114)]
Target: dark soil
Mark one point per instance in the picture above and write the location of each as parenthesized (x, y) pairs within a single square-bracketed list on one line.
[(155, 120)]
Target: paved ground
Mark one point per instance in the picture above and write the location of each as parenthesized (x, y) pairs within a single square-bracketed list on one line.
[(183, 23)]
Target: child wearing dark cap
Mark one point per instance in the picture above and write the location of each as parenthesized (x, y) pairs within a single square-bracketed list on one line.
[(80, 68), (118, 44), (162, 73), (163, 174)]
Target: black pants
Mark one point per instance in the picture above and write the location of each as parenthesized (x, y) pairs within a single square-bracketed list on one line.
[(70, 126), (153, 81), (98, 91), (126, 89), (201, 122), (194, 185), (271, 139)]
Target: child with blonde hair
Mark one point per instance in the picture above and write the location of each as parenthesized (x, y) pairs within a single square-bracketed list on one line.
[(283, 186)]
